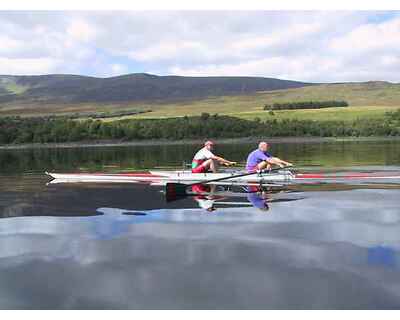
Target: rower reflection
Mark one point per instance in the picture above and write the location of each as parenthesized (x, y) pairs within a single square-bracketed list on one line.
[(258, 198), (210, 197), (206, 196)]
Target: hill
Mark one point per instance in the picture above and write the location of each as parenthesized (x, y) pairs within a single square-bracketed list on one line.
[(62, 89), (173, 96)]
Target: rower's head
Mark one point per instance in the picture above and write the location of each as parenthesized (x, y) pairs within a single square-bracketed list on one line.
[(263, 146), (209, 144)]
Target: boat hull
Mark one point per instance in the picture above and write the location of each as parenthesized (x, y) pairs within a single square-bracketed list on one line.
[(280, 177), (162, 177)]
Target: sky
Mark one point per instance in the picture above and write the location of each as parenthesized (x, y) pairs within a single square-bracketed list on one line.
[(314, 46)]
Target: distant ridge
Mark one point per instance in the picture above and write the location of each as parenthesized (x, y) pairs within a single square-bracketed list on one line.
[(63, 88)]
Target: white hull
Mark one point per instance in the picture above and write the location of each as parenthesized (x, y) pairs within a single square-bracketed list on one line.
[(279, 177), (161, 177)]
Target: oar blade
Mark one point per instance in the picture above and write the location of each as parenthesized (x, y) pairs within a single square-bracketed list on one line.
[(175, 191)]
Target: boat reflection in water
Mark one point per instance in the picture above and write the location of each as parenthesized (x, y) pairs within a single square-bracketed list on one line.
[(210, 197)]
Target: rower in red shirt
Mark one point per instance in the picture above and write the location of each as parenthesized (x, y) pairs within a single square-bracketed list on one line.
[(205, 161)]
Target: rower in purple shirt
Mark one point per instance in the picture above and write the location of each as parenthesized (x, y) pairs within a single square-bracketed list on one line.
[(260, 159)]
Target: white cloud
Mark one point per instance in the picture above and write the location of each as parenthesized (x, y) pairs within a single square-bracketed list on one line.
[(390, 60), (310, 46), (117, 69), (299, 69), (367, 37), (28, 66), (167, 50), (277, 38), (80, 30), (8, 44)]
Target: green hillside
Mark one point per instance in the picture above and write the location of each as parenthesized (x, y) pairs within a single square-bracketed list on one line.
[(9, 86), (370, 100), (366, 100)]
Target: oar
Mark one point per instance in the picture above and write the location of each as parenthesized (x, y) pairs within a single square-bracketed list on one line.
[(173, 190)]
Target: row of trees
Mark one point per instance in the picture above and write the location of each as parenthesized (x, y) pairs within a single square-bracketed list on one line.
[(13, 131), (306, 105), (394, 115)]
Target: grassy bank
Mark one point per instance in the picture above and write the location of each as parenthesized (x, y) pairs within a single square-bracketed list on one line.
[(329, 114)]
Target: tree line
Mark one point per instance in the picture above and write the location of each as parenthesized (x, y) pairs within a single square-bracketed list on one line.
[(393, 115), (306, 105), (36, 130)]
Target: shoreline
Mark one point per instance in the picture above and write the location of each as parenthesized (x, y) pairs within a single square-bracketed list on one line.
[(115, 143)]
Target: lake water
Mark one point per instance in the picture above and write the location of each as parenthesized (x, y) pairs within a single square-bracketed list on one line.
[(121, 246)]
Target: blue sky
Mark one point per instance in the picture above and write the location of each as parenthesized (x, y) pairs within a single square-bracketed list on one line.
[(318, 46)]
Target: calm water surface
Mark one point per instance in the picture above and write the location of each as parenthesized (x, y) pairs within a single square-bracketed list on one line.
[(122, 246)]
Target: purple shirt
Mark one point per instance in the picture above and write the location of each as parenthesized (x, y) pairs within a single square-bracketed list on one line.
[(257, 201), (255, 158)]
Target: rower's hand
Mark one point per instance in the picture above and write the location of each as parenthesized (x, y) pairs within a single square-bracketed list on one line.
[(230, 163)]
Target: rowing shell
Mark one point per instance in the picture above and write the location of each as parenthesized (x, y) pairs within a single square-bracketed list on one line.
[(281, 177), (162, 177)]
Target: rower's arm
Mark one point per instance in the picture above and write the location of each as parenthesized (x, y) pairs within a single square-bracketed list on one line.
[(224, 161), (278, 162)]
